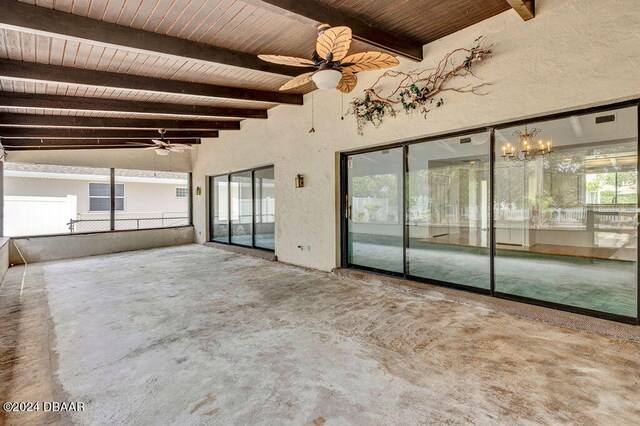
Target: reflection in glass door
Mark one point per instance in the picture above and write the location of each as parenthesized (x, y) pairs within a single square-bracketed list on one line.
[(241, 208), (219, 199), (265, 208), (448, 210), (374, 210), (566, 220)]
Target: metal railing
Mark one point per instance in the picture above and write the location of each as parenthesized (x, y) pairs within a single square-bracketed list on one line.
[(99, 225)]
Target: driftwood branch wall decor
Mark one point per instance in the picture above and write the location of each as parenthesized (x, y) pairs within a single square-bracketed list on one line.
[(420, 90)]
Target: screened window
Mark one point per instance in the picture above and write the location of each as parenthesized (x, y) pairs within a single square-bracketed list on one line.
[(43, 199), (99, 197), (47, 199), (153, 199)]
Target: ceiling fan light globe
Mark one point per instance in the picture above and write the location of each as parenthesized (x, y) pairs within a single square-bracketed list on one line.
[(161, 151), (327, 79)]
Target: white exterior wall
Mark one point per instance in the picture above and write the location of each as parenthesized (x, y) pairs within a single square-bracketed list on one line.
[(38, 215), (139, 197), (153, 197), (575, 53), (34, 187)]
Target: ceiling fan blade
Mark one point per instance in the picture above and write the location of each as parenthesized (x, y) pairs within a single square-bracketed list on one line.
[(348, 81), (369, 61), (151, 147), (180, 146), (336, 40), (159, 142), (298, 81), (287, 60)]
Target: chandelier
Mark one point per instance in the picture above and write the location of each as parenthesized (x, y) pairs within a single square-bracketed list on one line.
[(526, 149)]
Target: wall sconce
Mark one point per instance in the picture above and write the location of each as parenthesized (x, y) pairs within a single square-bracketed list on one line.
[(198, 190), (299, 181)]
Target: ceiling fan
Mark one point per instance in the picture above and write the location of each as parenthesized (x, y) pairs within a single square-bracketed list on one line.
[(164, 147), (334, 69)]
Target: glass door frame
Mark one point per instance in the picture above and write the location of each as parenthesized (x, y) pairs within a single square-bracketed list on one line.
[(210, 179), (344, 214)]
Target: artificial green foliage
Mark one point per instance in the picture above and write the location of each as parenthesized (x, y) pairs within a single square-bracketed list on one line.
[(369, 110)]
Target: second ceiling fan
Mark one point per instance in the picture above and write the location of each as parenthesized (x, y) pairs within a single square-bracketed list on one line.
[(164, 147), (334, 69)]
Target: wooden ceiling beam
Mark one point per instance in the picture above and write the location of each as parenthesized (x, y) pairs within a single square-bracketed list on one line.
[(32, 100), (44, 142), (67, 147), (38, 120), (525, 8), (362, 31), (53, 73), (40, 20), (63, 133), (53, 144)]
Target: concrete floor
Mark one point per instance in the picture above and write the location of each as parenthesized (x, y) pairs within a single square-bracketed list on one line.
[(199, 335)]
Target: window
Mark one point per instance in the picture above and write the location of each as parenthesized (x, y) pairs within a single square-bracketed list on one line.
[(182, 192), (99, 197), (611, 188), (242, 208)]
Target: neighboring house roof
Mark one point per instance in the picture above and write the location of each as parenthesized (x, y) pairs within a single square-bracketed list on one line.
[(48, 171)]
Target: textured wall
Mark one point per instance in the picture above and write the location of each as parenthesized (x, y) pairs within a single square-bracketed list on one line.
[(575, 53)]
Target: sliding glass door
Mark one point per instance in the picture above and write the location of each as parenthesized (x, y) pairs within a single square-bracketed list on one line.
[(219, 218), (242, 208), (448, 210), (375, 182), (566, 222), (265, 208), (550, 217)]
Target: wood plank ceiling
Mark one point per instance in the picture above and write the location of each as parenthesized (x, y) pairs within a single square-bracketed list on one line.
[(187, 65)]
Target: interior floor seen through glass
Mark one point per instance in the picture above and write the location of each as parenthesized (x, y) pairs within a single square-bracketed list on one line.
[(448, 210), (375, 182), (566, 211)]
